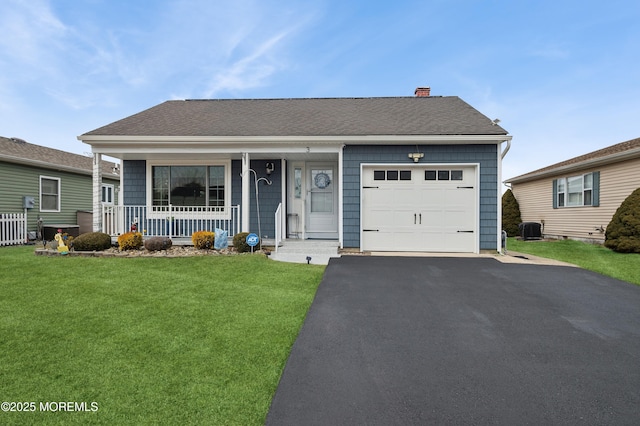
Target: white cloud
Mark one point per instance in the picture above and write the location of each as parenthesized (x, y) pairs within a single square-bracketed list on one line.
[(29, 30), (249, 71)]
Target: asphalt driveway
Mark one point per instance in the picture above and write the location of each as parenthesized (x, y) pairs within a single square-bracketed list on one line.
[(455, 341)]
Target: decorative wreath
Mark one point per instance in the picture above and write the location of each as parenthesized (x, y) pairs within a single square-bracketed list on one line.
[(322, 180)]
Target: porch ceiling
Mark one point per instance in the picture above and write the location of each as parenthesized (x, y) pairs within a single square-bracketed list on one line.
[(187, 156)]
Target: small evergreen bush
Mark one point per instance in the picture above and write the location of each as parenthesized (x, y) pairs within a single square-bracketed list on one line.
[(158, 243), (623, 232), (203, 240), (130, 241), (240, 242), (92, 241), (510, 214)]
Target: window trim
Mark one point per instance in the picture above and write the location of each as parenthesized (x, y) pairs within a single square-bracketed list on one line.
[(156, 212), (59, 194), (561, 198), (111, 190)]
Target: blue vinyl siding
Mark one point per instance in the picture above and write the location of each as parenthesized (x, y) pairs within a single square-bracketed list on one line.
[(270, 195), (485, 155), (134, 182)]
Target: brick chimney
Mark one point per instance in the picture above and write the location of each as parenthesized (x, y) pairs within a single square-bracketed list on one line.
[(423, 92)]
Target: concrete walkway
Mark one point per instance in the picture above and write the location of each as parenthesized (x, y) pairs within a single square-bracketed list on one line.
[(321, 251)]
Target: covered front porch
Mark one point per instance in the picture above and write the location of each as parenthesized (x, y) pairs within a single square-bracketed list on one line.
[(294, 193)]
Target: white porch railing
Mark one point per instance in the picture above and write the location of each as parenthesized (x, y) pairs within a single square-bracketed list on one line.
[(169, 221), (13, 228), (278, 217)]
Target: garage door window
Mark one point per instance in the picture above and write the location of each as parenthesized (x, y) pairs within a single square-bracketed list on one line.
[(443, 175), (392, 175)]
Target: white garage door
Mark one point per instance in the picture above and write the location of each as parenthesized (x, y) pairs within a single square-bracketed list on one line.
[(424, 208)]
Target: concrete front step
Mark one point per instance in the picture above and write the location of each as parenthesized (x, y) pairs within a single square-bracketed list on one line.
[(298, 251), (314, 246)]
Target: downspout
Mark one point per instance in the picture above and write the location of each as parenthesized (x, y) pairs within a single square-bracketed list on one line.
[(341, 196), (502, 155)]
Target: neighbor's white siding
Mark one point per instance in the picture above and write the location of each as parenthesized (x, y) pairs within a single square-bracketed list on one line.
[(535, 198)]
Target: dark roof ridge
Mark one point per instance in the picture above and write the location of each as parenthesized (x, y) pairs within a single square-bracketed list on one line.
[(308, 99)]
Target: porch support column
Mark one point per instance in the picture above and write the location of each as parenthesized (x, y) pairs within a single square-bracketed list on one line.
[(97, 192), (246, 194)]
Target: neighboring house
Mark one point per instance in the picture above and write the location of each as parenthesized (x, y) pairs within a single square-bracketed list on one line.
[(50, 184), (578, 197), (416, 173)]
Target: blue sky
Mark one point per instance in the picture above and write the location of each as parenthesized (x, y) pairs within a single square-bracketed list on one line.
[(562, 76)]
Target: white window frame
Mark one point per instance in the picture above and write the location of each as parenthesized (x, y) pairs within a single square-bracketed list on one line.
[(566, 194), (110, 192), (59, 195), (155, 212)]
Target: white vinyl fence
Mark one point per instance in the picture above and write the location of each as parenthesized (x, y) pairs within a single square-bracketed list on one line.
[(13, 228)]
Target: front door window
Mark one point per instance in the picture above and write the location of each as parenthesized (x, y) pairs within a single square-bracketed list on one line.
[(322, 191)]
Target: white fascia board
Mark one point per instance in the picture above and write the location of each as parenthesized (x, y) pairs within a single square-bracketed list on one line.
[(118, 146), (356, 140)]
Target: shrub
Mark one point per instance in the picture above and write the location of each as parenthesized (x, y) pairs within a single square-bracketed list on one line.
[(203, 239), (510, 214), (158, 243), (240, 242), (130, 241), (92, 241), (623, 232)]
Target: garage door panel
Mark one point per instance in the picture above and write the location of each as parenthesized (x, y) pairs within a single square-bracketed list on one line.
[(462, 197), (458, 219)]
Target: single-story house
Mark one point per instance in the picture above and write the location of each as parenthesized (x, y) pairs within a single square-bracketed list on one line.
[(578, 197), (49, 185), (413, 173)]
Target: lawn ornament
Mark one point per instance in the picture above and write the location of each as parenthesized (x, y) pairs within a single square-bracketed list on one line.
[(62, 248)]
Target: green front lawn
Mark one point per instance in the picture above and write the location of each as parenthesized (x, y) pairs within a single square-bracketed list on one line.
[(200, 340), (623, 266)]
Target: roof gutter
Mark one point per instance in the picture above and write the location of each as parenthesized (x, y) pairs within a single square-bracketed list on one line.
[(337, 139)]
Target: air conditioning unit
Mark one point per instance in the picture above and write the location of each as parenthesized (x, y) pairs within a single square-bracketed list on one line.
[(530, 230)]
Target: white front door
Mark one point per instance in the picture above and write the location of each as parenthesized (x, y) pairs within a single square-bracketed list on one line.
[(321, 207)]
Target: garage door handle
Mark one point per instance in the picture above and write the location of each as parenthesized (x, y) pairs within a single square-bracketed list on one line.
[(465, 187), (370, 187), (466, 232), (414, 218), (370, 230), (420, 218)]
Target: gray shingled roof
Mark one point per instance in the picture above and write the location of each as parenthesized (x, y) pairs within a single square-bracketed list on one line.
[(630, 146), (17, 150), (306, 117)]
